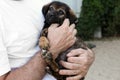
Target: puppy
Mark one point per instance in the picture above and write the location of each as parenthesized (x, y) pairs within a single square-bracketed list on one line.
[(56, 12)]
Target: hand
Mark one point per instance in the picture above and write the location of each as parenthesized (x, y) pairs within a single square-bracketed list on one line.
[(77, 66), (62, 37)]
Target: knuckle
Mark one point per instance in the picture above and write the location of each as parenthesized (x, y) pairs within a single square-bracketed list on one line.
[(50, 28), (77, 72), (65, 27), (84, 69), (64, 30), (73, 41), (85, 60), (70, 78), (63, 63), (91, 54), (71, 66), (72, 25), (75, 31), (64, 72), (70, 33), (81, 77), (74, 72), (72, 51)]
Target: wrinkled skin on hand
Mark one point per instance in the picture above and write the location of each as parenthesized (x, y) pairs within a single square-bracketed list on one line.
[(66, 37), (78, 63)]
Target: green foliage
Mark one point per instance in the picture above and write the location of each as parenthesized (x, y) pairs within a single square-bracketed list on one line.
[(99, 13), (117, 17)]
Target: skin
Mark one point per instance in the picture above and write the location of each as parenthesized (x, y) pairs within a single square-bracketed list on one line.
[(58, 39), (76, 65), (28, 71)]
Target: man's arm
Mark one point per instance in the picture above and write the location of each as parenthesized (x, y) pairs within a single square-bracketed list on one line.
[(33, 70)]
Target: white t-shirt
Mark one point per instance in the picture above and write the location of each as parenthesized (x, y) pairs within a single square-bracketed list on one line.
[(21, 22)]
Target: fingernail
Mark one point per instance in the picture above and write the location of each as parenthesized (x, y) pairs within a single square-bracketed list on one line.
[(73, 25), (68, 55), (59, 71), (54, 25), (66, 19), (60, 62)]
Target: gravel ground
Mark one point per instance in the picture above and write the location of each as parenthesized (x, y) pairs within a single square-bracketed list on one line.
[(107, 63)]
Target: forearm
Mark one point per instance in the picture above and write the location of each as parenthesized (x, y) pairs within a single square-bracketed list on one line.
[(33, 70)]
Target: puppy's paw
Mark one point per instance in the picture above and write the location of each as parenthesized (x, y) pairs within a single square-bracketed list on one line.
[(43, 43), (54, 66)]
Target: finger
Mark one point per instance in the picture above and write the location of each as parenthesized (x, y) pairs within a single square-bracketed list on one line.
[(54, 25), (72, 27), (77, 60), (66, 23), (74, 32), (70, 65), (69, 72), (71, 37), (76, 52), (78, 77), (71, 42), (91, 53)]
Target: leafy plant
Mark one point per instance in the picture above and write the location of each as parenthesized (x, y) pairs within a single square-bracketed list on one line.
[(99, 13)]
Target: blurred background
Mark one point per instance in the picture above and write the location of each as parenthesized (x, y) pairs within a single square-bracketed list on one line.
[(99, 24)]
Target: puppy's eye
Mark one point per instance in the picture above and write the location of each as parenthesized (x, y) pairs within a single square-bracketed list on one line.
[(51, 8), (61, 12)]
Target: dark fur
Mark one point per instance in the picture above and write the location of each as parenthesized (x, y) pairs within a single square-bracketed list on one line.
[(52, 15)]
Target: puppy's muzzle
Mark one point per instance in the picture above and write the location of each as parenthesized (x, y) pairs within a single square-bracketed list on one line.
[(51, 17)]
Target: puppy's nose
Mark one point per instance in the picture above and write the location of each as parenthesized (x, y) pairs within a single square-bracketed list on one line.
[(51, 14)]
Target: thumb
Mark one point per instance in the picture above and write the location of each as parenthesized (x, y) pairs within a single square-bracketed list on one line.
[(76, 52), (54, 25), (66, 23)]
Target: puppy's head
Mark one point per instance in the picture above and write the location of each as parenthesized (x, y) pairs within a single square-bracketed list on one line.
[(56, 12)]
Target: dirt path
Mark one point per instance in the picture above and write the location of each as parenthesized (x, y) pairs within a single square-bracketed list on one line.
[(107, 62)]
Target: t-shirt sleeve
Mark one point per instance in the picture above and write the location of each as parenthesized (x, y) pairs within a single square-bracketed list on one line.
[(4, 62)]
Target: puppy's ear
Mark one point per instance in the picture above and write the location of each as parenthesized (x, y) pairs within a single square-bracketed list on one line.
[(72, 17), (45, 9)]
